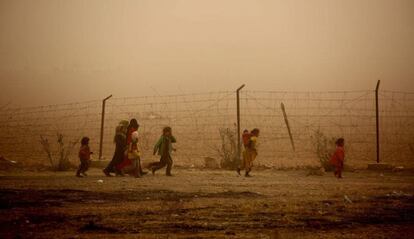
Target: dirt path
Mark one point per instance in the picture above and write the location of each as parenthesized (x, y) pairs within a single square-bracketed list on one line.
[(207, 204)]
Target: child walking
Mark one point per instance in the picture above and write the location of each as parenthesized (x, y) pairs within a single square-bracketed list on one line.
[(250, 151), (337, 159), (132, 162), (164, 149), (132, 127), (120, 146), (84, 157)]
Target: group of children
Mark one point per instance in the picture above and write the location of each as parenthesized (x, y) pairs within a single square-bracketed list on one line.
[(126, 158), (250, 153)]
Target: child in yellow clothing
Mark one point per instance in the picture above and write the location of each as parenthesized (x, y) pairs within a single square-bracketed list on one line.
[(132, 159), (249, 153)]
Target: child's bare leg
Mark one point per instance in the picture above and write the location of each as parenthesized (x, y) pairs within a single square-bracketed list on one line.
[(85, 168), (247, 170), (137, 170), (340, 172), (248, 163)]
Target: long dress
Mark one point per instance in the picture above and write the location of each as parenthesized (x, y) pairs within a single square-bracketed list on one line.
[(249, 154), (131, 163), (118, 156), (337, 160)]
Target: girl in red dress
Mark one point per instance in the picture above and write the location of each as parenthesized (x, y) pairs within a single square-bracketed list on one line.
[(337, 159)]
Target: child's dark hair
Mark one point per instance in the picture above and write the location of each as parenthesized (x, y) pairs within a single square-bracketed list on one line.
[(133, 123), (85, 141), (245, 131), (166, 129), (340, 142), (255, 131)]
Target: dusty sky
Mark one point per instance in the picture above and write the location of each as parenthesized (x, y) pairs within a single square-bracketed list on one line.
[(55, 51)]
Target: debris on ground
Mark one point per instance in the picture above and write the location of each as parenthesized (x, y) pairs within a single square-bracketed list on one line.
[(399, 194), (6, 164), (346, 198), (398, 169)]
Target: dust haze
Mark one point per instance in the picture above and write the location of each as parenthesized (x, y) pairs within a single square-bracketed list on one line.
[(55, 51), (310, 70)]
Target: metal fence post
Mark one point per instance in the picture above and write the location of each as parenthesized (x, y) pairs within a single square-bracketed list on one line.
[(102, 126), (238, 122), (287, 125), (377, 120)]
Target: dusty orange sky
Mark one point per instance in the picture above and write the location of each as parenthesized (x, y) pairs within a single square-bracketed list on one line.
[(54, 51)]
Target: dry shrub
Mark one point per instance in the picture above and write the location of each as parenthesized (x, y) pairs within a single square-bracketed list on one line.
[(324, 146), (58, 157), (227, 150)]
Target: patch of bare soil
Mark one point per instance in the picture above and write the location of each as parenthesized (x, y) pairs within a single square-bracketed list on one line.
[(271, 205)]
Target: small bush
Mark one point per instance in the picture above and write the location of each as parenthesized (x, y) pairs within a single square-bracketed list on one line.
[(227, 150), (59, 158), (324, 147)]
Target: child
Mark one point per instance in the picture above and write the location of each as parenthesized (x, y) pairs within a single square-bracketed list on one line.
[(164, 148), (132, 161), (337, 159), (249, 153), (132, 127), (120, 146), (84, 156)]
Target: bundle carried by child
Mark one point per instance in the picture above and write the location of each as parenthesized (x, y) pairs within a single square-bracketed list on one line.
[(131, 163), (246, 136)]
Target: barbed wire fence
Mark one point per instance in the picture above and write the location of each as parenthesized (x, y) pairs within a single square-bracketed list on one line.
[(397, 127), (197, 118)]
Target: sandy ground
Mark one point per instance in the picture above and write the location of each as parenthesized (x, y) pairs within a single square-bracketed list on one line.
[(207, 204)]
